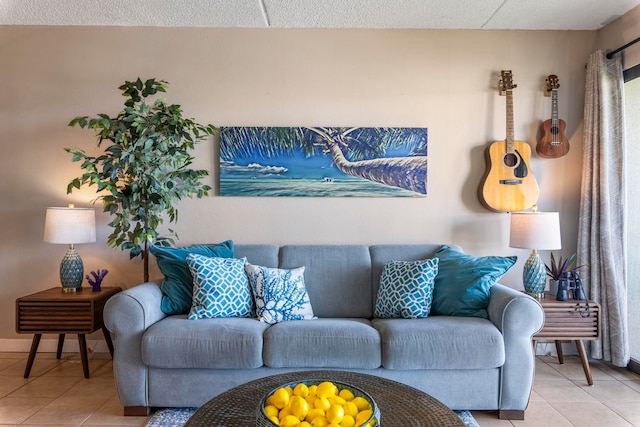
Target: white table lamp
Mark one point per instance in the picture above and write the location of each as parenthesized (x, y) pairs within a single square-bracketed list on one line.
[(70, 226), (537, 231)]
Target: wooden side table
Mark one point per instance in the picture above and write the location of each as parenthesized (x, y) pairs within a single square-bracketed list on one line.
[(570, 320), (55, 312)]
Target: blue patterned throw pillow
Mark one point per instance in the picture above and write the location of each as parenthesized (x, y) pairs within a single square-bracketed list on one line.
[(406, 289), (177, 286), (280, 294), (220, 288)]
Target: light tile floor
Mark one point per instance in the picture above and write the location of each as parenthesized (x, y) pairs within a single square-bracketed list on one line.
[(57, 394)]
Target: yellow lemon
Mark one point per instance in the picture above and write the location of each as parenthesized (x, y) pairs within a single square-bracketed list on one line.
[(351, 409), (312, 389), (304, 424), (284, 412), (336, 400), (319, 422), (361, 403), (363, 416), (314, 413), (346, 394), (301, 390), (289, 391), (289, 421), (275, 420), (271, 410), (299, 407), (326, 389), (280, 398), (311, 400), (322, 403), (348, 421), (335, 414)]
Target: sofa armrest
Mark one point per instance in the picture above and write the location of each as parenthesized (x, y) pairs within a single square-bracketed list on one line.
[(127, 315), (518, 317)]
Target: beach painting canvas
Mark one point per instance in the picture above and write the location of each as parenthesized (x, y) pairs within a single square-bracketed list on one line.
[(323, 161)]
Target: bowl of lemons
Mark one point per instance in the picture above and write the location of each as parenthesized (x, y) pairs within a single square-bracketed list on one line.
[(318, 403)]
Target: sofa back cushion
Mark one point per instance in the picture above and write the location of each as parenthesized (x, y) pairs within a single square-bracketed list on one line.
[(263, 255), (337, 277)]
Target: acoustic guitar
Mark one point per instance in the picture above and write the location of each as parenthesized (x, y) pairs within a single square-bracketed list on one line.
[(553, 143), (509, 184)]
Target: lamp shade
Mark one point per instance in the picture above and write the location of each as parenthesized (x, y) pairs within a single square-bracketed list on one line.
[(535, 230), (70, 225)]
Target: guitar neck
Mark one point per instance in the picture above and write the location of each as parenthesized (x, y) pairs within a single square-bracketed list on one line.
[(510, 138), (554, 108)]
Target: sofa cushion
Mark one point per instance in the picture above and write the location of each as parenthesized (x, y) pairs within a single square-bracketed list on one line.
[(266, 255), (176, 342), (406, 289), (322, 343), (337, 277), (220, 288), (177, 285), (280, 294), (440, 342), (463, 283)]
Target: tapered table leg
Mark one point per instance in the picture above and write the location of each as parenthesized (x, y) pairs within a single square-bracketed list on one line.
[(32, 354), (60, 345), (559, 351), (83, 354), (585, 361)]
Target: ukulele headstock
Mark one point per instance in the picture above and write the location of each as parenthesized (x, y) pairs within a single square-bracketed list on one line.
[(552, 83), (506, 82)]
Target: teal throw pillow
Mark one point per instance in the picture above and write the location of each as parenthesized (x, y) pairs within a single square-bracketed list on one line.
[(280, 295), (220, 288), (177, 286), (406, 289), (463, 283)]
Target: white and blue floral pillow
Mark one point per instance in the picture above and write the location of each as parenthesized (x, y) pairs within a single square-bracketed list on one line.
[(406, 289), (220, 288), (279, 294)]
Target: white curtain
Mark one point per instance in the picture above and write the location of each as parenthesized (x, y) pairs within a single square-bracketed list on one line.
[(601, 248)]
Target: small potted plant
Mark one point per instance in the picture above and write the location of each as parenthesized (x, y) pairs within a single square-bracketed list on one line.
[(555, 270)]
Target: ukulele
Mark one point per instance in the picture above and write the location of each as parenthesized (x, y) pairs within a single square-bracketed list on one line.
[(508, 185), (553, 143)]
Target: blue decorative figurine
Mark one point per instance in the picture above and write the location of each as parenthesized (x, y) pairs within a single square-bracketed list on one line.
[(97, 279)]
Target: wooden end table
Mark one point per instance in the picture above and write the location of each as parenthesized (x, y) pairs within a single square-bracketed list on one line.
[(55, 312), (571, 321)]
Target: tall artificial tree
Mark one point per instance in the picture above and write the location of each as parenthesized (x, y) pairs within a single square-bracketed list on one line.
[(143, 170)]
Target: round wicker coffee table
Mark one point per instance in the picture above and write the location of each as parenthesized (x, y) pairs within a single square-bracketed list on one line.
[(400, 405)]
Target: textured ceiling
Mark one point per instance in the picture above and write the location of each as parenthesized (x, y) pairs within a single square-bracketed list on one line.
[(436, 14)]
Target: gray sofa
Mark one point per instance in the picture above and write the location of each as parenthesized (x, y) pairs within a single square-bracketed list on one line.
[(468, 363)]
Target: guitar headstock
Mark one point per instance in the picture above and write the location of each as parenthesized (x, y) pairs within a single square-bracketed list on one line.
[(506, 82), (552, 83)]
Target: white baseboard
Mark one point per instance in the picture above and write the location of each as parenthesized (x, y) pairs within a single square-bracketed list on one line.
[(50, 345)]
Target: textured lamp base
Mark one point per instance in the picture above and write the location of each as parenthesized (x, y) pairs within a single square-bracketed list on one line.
[(71, 271), (534, 276)]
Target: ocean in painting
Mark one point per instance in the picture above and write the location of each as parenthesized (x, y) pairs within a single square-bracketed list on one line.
[(302, 161), (310, 187)]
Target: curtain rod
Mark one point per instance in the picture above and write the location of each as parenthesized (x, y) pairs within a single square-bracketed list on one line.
[(621, 48)]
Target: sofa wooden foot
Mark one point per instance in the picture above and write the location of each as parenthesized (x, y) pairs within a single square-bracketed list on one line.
[(136, 411), (512, 414)]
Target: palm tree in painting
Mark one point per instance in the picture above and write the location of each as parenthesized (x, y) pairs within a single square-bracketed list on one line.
[(356, 151)]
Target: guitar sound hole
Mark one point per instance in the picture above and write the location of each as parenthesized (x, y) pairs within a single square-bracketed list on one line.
[(555, 130), (510, 160)]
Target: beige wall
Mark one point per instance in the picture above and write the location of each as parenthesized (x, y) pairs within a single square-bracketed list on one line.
[(444, 80)]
